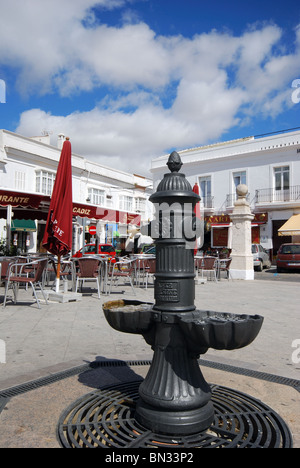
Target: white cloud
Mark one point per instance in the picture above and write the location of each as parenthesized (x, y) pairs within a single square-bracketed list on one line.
[(217, 79)]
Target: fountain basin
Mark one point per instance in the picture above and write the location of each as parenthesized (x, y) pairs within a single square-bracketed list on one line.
[(219, 330), (129, 316), (201, 329)]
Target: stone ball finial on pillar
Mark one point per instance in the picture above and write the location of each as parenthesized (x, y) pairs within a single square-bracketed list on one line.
[(241, 192)]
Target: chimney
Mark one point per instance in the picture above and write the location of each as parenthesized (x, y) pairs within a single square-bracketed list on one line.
[(60, 140)]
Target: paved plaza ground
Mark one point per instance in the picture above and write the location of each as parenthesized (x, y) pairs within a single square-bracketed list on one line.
[(61, 336)]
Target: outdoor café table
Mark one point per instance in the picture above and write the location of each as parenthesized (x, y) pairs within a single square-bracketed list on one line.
[(139, 265), (103, 271)]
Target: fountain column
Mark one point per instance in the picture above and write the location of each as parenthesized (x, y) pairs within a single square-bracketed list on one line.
[(174, 397)]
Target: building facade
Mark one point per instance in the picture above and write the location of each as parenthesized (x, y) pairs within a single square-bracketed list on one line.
[(112, 201), (269, 166)]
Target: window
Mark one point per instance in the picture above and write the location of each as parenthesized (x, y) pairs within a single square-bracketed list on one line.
[(140, 204), (45, 182), (281, 184), (96, 196), (90, 249), (126, 203), (282, 178), (290, 249), (239, 178), (19, 180), (205, 191)]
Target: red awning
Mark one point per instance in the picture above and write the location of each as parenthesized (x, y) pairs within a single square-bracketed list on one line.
[(15, 199), (105, 214), (25, 200)]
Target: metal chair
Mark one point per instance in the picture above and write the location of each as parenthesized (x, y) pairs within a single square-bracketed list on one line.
[(197, 263), (25, 273), (4, 264), (123, 269), (224, 265), (51, 270), (150, 269), (208, 265), (88, 270)]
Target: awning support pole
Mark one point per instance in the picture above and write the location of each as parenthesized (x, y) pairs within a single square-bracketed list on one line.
[(8, 225)]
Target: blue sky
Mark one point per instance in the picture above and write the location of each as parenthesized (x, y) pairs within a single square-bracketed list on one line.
[(131, 80)]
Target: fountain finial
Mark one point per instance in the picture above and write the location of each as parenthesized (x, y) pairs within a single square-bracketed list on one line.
[(174, 162)]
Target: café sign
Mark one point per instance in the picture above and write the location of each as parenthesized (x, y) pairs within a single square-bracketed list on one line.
[(105, 214), (225, 219), (19, 199)]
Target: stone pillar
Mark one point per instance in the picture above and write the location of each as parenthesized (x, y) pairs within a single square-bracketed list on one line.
[(241, 217)]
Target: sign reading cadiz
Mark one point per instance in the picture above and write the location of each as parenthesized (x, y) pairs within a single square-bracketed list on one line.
[(106, 214)]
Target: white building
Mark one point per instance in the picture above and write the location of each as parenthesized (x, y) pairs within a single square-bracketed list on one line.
[(269, 166), (115, 202)]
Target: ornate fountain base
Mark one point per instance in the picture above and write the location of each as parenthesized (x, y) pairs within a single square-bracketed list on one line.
[(174, 397), (174, 422)]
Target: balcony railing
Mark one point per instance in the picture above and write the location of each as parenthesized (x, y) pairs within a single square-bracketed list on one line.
[(208, 202), (270, 195)]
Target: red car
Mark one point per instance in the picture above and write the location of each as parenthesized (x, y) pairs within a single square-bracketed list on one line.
[(288, 257), (90, 249)]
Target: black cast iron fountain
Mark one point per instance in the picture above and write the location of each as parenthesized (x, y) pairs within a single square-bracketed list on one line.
[(174, 406), (174, 397)]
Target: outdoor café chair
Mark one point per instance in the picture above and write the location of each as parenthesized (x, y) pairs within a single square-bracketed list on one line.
[(122, 269), (150, 269), (6, 262), (224, 265), (25, 273), (209, 265), (51, 270), (88, 270), (4, 266)]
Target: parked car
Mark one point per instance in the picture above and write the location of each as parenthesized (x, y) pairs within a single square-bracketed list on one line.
[(288, 257), (90, 249), (261, 257)]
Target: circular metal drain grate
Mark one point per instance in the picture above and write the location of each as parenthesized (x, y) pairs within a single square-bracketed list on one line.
[(105, 419)]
